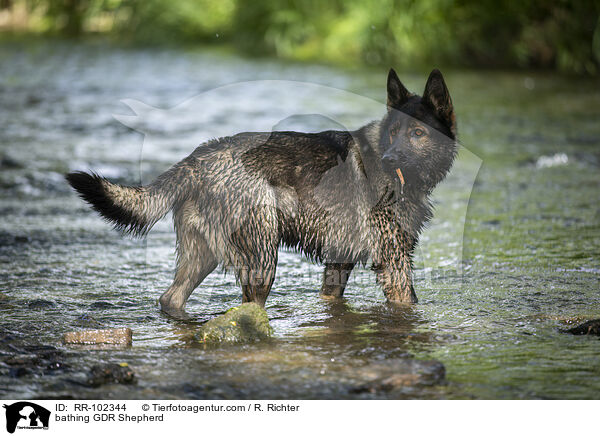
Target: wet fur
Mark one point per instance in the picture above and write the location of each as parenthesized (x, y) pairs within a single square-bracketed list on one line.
[(333, 196)]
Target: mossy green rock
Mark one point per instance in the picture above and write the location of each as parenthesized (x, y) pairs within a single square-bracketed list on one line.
[(246, 323)]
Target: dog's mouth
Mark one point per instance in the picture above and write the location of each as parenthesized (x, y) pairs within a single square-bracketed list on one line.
[(393, 165)]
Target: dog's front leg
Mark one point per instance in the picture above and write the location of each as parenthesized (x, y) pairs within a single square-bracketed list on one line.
[(335, 278), (393, 266), (396, 281)]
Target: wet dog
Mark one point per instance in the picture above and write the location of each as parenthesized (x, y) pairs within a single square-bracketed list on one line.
[(339, 197)]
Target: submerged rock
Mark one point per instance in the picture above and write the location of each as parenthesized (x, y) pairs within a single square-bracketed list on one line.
[(110, 373), (87, 321), (37, 359), (9, 163), (18, 372), (246, 323), (40, 304), (399, 373), (101, 305), (5, 301), (120, 336), (587, 328)]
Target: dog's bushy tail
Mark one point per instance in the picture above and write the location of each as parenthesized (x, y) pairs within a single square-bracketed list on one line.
[(131, 209)]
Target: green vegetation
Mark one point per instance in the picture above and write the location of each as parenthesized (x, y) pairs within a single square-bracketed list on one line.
[(560, 35)]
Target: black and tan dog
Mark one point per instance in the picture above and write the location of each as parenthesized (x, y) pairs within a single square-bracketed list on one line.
[(339, 197)]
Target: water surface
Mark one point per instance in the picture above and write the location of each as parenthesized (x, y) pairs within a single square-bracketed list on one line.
[(529, 260)]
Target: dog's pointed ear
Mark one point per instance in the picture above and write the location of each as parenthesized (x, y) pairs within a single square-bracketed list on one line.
[(397, 94), (436, 95)]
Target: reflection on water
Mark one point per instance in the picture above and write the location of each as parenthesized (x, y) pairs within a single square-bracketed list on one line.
[(530, 253)]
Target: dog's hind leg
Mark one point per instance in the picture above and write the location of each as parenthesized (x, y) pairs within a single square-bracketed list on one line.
[(335, 279), (194, 262)]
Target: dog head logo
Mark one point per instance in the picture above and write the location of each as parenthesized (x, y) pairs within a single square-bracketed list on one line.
[(26, 415)]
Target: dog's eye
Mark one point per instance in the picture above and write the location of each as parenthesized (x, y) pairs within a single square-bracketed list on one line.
[(418, 132)]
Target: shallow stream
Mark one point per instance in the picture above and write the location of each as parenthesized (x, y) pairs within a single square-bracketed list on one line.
[(512, 257)]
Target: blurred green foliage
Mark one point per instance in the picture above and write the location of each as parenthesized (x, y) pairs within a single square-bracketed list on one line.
[(562, 35)]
